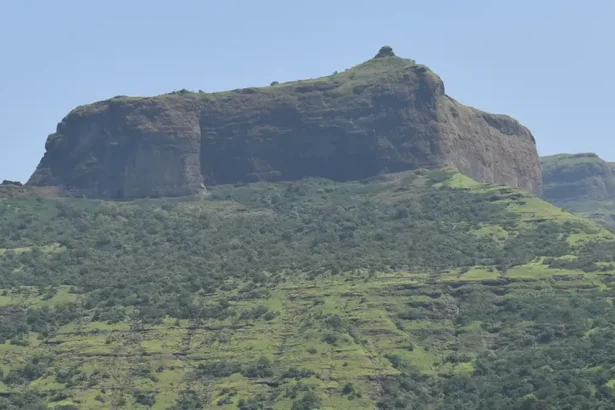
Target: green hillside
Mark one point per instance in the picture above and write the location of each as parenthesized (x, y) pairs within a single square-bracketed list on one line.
[(600, 211), (421, 290)]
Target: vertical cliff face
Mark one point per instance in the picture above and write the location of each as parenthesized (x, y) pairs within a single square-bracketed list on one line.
[(490, 148), (577, 177), (126, 148), (581, 183), (385, 115)]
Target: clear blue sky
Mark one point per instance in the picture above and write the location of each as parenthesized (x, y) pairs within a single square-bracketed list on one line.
[(548, 63)]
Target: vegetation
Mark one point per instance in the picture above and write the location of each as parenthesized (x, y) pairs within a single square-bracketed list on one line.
[(600, 211), (419, 290)]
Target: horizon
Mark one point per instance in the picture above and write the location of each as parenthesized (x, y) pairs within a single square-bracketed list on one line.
[(537, 74)]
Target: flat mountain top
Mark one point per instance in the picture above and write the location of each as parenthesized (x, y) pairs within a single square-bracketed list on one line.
[(418, 289), (583, 183), (550, 162), (385, 115)]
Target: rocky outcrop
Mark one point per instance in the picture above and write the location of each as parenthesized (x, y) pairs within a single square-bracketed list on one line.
[(388, 114), (577, 177)]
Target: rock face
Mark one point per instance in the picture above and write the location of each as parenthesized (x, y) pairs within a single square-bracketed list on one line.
[(577, 177), (388, 114), (581, 183)]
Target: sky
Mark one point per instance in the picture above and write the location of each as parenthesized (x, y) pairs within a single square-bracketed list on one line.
[(549, 64)]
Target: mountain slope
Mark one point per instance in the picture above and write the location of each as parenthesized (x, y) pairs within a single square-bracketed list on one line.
[(581, 183), (422, 289), (387, 114)]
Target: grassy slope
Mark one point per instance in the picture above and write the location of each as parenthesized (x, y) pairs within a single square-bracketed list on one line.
[(601, 211), (360, 324)]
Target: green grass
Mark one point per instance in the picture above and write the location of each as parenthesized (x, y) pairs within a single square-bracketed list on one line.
[(461, 181), (480, 273)]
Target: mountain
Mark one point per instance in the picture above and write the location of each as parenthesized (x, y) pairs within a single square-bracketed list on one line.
[(577, 176), (582, 183), (385, 115), (421, 289)]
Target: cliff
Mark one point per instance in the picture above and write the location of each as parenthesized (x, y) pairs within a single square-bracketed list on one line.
[(581, 183), (573, 177), (388, 114)]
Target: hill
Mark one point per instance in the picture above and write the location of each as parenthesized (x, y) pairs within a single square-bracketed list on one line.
[(582, 183), (385, 115), (422, 289)]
